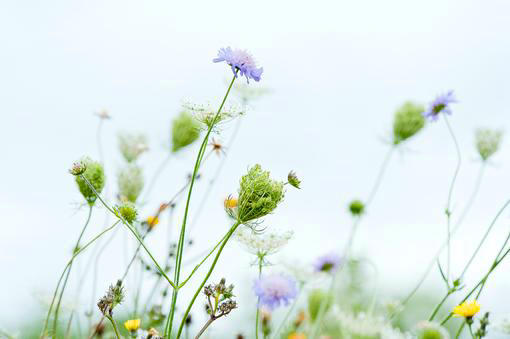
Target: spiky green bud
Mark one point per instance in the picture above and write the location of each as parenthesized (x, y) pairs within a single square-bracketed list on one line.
[(356, 207), (259, 195), (94, 173), (317, 299), (430, 330), (130, 180), (293, 179), (487, 142), (408, 121), (127, 211), (185, 130)]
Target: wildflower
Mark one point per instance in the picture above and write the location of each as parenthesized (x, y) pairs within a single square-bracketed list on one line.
[(208, 115), (430, 330), (127, 211), (441, 104), (219, 298), (487, 142), (327, 263), (362, 325), (152, 221), (103, 115), (293, 180), (131, 146), (217, 147), (295, 335), (130, 180), (94, 173), (274, 290), (466, 309), (265, 322), (262, 244), (185, 130), (408, 121), (230, 202), (356, 207), (78, 168), (259, 195), (113, 297), (317, 299), (240, 61), (132, 325), (484, 323)]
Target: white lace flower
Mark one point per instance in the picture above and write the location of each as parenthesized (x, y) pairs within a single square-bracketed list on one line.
[(262, 244)]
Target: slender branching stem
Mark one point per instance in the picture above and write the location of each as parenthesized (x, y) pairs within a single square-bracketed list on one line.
[(206, 325), (438, 307), (114, 325)]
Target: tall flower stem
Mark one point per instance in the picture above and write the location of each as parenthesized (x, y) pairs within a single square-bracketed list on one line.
[(43, 333), (114, 325), (155, 177), (380, 176), (180, 244), (76, 247), (438, 307), (450, 193), (459, 222), (258, 302), (211, 269)]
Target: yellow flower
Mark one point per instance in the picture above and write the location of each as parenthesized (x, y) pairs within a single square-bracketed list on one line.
[(152, 221), (231, 202), (132, 325), (466, 309), (296, 336)]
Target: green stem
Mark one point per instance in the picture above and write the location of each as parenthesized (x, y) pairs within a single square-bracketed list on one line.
[(459, 331), (380, 176), (76, 247), (43, 333), (450, 193), (438, 307), (114, 325), (471, 331), (180, 244), (211, 269), (258, 301)]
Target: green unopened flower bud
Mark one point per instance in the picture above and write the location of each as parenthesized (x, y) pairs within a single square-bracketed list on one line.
[(430, 330), (130, 180), (259, 195), (293, 179), (487, 142), (131, 146), (317, 299), (78, 168), (94, 173), (185, 130), (408, 121), (356, 207), (127, 211)]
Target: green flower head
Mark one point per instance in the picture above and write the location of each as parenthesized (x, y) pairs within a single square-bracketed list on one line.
[(94, 173), (430, 330), (356, 207), (316, 298), (130, 180), (487, 142), (408, 121), (185, 130), (127, 211), (259, 195)]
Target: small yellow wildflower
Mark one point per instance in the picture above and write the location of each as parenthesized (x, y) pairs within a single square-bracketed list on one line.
[(466, 309), (152, 221), (132, 325), (231, 202), (296, 336)]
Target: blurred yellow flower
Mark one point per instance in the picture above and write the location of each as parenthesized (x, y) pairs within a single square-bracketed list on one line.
[(231, 202), (132, 325), (152, 221), (296, 336), (466, 309)]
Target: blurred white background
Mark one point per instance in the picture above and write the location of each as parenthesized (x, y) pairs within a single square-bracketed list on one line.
[(337, 71)]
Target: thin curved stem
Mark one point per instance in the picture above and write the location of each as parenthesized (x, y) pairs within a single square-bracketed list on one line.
[(180, 244), (258, 302), (155, 177), (114, 325), (438, 307), (380, 176), (76, 247), (459, 331), (211, 269)]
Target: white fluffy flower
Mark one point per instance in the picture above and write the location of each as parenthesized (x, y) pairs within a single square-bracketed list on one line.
[(262, 244), (205, 113)]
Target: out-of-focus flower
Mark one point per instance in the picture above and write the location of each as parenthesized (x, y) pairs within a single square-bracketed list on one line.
[(293, 180), (217, 147), (430, 330), (262, 244), (130, 180), (259, 195), (185, 130), (327, 263), (127, 211), (487, 142), (132, 145), (274, 290), (103, 114), (94, 173), (152, 221), (441, 104), (408, 121), (467, 309), (317, 299), (240, 61), (356, 207), (297, 336), (230, 202), (364, 325), (248, 93), (132, 325)]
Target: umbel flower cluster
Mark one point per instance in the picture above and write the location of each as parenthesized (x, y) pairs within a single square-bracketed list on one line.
[(167, 285)]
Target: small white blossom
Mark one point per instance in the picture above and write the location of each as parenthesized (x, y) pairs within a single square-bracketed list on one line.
[(132, 145), (205, 113), (262, 244)]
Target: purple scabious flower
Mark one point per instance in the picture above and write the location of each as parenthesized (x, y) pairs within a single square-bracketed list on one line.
[(240, 61), (327, 263), (274, 290), (441, 104)]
